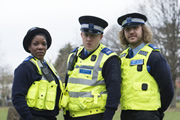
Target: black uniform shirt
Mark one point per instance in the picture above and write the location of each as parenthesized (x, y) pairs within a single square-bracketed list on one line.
[(160, 70)]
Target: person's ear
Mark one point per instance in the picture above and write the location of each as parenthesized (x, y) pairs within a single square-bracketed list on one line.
[(101, 36)]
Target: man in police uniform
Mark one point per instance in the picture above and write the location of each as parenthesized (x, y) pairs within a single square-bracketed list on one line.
[(146, 89), (93, 78)]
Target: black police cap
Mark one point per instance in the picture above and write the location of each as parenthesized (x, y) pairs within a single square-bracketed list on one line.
[(92, 24), (31, 33), (132, 19)]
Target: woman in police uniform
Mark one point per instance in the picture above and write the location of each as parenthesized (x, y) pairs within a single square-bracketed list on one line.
[(36, 90)]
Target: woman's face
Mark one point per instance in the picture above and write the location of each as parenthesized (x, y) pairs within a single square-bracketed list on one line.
[(38, 47)]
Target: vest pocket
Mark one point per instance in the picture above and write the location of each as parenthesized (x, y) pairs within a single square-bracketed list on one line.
[(32, 94), (142, 89), (73, 105), (42, 94), (65, 99), (51, 95), (79, 104)]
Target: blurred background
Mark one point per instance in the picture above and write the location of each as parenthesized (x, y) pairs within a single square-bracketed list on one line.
[(60, 18)]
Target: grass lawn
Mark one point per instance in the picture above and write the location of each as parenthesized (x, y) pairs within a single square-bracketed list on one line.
[(170, 114), (3, 113)]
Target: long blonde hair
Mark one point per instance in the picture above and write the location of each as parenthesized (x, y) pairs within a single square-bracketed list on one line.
[(147, 36)]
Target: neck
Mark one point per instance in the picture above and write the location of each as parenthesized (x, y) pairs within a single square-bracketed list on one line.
[(135, 45), (42, 60)]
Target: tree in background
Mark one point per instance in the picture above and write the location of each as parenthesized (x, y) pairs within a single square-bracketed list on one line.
[(111, 39), (163, 17), (61, 61), (6, 80)]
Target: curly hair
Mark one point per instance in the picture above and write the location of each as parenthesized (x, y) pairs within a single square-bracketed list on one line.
[(147, 36)]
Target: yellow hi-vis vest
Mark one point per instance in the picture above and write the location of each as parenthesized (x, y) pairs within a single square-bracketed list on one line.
[(86, 86), (139, 90), (42, 94)]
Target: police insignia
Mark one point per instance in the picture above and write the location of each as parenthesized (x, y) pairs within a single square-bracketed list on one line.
[(153, 46), (28, 58), (143, 53), (74, 50), (107, 51), (124, 54)]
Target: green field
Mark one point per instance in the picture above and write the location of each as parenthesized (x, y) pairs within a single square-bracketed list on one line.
[(170, 114)]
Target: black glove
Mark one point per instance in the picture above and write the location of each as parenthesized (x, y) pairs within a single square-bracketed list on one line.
[(161, 115), (38, 118)]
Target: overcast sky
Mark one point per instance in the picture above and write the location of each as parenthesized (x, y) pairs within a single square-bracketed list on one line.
[(59, 17)]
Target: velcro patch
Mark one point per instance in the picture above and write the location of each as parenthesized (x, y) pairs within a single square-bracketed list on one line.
[(137, 62)]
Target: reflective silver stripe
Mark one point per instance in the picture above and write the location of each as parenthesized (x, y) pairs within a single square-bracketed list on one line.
[(96, 67), (138, 20), (94, 81), (85, 81), (39, 63), (83, 94), (95, 27)]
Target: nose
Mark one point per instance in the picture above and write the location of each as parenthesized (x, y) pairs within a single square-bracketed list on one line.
[(40, 46), (131, 30), (89, 37)]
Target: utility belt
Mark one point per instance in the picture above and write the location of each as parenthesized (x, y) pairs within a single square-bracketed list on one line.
[(42, 95), (86, 112)]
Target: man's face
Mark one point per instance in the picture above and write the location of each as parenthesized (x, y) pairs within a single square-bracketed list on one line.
[(91, 41), (133, 35)]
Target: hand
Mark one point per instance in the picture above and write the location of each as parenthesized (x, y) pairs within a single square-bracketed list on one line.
[(161, 116)]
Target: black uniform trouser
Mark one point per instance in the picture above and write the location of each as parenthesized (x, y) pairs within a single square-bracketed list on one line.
[(42, 118), (89, 117), (140, 115)]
